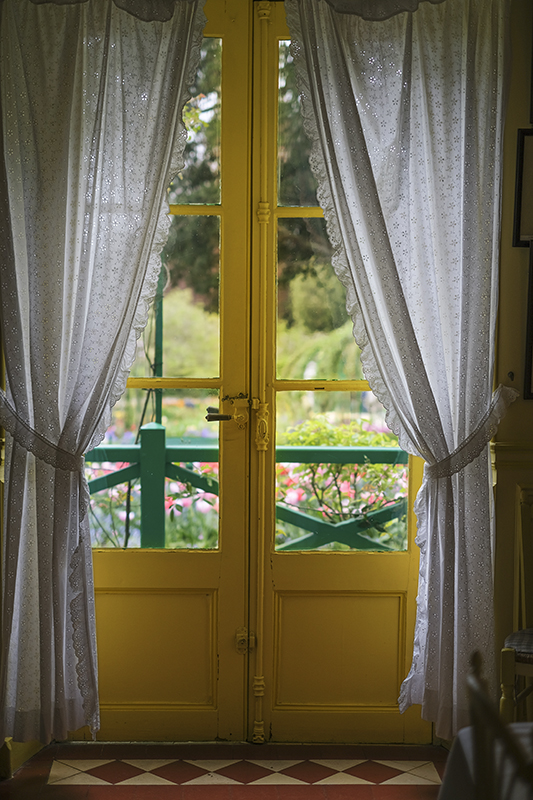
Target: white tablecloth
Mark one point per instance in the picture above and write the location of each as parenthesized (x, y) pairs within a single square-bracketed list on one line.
[(458, 783)]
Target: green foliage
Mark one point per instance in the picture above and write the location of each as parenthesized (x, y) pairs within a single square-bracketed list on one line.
[(297, 185), (192, 252), (199, 181), (333, 354), (191, 341), (318, 298), (192, 257)]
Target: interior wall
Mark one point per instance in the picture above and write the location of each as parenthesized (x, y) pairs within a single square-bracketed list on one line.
[(514, 441)]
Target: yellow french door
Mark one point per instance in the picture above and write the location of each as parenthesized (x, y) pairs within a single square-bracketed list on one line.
[(336, 625), (170, 621), (258, 635)]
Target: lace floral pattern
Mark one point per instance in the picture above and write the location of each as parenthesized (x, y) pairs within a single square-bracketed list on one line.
[(91, 102), (405, 116)]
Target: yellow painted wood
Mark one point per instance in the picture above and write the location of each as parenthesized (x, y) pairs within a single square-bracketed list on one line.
[(174, 383), (14, 754), (318, 385)]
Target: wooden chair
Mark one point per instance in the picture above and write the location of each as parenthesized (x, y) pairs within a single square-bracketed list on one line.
[(517, 654), (503, 770), (516, 660)]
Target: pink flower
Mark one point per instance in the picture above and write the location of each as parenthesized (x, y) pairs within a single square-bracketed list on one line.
[(202, 506), (295, 496)]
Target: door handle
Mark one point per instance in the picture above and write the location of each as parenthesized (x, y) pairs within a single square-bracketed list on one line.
[(214, 416), (240, 415)]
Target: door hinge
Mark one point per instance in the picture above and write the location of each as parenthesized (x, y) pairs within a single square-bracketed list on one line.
[(244, 641)]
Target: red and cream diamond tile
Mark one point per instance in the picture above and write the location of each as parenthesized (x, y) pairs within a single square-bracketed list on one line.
[(425, 771), (272, 764), (339, 764), (373, 772), (179, 771), (115, 772), (149, 764), (244, 772), (279, 779), (211, 779), (309, 772), (74, 772), (60, 771), (147, 779), (212, 765)]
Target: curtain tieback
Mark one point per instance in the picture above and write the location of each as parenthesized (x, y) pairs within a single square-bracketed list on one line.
[(33, 441), (474, 444)]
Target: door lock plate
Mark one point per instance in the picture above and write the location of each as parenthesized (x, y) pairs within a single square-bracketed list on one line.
[(244, 641)]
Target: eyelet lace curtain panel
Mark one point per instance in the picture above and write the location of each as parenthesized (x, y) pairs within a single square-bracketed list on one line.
[(91, 97), (405, 114)]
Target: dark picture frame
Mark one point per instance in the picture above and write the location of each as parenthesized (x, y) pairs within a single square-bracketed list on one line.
[(523, 209), (528, 372)]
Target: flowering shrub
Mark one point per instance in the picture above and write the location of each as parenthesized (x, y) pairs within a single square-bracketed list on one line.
[(191, 514), (338, 492), (109, 509)]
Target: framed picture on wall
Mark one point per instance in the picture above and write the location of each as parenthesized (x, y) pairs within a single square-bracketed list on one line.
[(528, 372), (523, 209)]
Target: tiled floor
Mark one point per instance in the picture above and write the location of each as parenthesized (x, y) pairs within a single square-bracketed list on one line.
[(228, 772)]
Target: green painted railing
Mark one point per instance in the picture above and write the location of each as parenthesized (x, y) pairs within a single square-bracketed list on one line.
[(154, 459)]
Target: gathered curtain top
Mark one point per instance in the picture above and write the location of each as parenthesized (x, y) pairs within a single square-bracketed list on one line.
[(146, 10), (374, 10), (162, 10)]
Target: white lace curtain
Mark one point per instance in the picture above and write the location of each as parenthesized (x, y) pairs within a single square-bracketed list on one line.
[(405, 114), (91, 97)]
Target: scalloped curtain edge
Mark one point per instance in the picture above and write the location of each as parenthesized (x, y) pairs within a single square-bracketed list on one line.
[(376, 10), (165, 8), (339, 259), (160, 236)]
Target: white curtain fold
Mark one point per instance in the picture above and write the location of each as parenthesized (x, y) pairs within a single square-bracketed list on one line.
[(91, 99), (405, 115)]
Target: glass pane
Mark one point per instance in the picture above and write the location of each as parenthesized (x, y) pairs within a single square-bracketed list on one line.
[(341, 480), (114, 519), (190, 310), (296, 182), (182, 413), (314, 332), (199, 181), (191, 502), (190, 455)]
